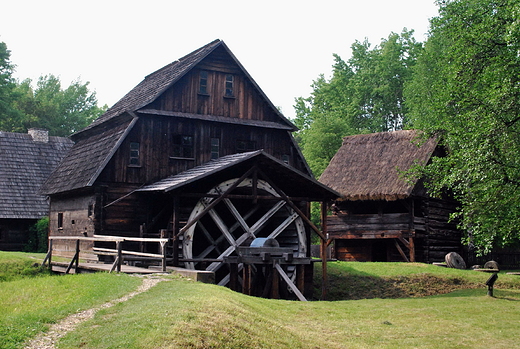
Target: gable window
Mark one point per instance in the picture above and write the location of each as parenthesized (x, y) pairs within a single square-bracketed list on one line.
[(134, 154), (183, 146), (285, 159), (244, 146), (215, 148), (229, 85), (203, 82)]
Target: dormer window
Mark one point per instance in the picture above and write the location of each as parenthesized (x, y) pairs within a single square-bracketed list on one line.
[(203, 82), (229, 86)]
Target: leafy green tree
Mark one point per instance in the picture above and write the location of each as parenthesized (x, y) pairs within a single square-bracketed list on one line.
[(364, 95), (48, 106), (7, 86), (466, 88)]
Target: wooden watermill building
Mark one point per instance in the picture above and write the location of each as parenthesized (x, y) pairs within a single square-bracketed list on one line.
[(381, 215), (195, 153)]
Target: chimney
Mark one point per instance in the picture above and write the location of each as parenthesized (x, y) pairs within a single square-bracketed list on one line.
[(39, 135)]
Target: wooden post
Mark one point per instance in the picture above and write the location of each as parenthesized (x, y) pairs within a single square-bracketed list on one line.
[(300, 277), (75, 260), (246, 279), (233, 275), (175, 231), (275, 285), (48, 257), (119, 257), (163, 252), (412, 249), (323, 252)]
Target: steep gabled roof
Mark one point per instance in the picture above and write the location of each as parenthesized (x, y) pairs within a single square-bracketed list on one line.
[(25, 163), (367, 167), (159, 81), (85, 161), (293, 182)]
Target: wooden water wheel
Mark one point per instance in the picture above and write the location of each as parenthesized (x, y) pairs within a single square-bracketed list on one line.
[(254, 210)]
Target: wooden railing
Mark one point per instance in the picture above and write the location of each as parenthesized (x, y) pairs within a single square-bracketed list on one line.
[(118, 251)]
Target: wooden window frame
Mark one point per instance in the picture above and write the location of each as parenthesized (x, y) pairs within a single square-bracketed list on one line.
[(203, 83), (60, 220), (215, 148), (182, 149), (243, 146), (134, 158), (229, 86)]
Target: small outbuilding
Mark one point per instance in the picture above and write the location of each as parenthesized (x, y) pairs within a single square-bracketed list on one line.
[(382, 214), (26, 160)]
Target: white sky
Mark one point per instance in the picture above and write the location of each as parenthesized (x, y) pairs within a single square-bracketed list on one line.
[(114, 44)]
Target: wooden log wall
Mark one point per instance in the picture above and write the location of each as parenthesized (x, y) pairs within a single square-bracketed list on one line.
[(155, 136)]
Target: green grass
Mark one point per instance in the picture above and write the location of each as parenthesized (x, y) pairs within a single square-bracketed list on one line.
[(28, 305), (17, 265), (356, 280), (185, 314), (180, 313)]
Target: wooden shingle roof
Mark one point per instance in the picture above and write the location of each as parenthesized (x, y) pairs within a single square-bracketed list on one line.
[(24, 165), (232, 166), (85, 161), (368, 167), (159, 81)]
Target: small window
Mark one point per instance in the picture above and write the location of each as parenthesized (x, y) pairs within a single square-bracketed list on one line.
[(183, 146), (203, 82), (285, 159), (134, 154), (215, 148), (244, 146), (60, 220), (90, 210), (229, 85)]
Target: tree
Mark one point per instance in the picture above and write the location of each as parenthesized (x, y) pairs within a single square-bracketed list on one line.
[(48, 106), (466, 88), (7, 85), (365, 94)]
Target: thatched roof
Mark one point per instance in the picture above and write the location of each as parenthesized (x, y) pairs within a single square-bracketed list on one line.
[(25, 163), (367, 167)]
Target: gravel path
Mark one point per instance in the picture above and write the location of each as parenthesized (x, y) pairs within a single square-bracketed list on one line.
[(48, 339)]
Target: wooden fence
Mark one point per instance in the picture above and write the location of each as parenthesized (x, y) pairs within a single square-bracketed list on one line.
[(118, 251)]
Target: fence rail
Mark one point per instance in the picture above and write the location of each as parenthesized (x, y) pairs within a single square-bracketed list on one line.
[(118, 251)]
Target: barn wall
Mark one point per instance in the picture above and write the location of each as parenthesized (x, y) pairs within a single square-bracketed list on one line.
[(245, 102), (156, 138)]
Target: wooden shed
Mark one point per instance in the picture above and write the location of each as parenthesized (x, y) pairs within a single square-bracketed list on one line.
[(381, 215), (26, 160), (195, 153)]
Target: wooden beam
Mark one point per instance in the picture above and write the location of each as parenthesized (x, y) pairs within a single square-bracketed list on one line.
[(215, 202), (289, 282), (401, 251)]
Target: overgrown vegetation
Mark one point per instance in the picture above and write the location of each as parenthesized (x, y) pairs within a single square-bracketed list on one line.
[(38, 233)]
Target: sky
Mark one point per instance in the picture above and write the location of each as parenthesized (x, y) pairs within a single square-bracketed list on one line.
[(113, 44)]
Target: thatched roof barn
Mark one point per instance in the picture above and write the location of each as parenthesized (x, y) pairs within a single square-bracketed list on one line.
[(26, 161), (369, 166), (384, 215)]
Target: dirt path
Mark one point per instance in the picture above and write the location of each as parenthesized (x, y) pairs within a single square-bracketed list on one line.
[(48, 339)]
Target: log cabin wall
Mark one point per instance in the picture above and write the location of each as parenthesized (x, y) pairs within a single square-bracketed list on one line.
[(362, 235)]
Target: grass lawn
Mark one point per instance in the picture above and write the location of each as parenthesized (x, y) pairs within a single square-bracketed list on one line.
[(185, 314), (30, 302), (180, 313)]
